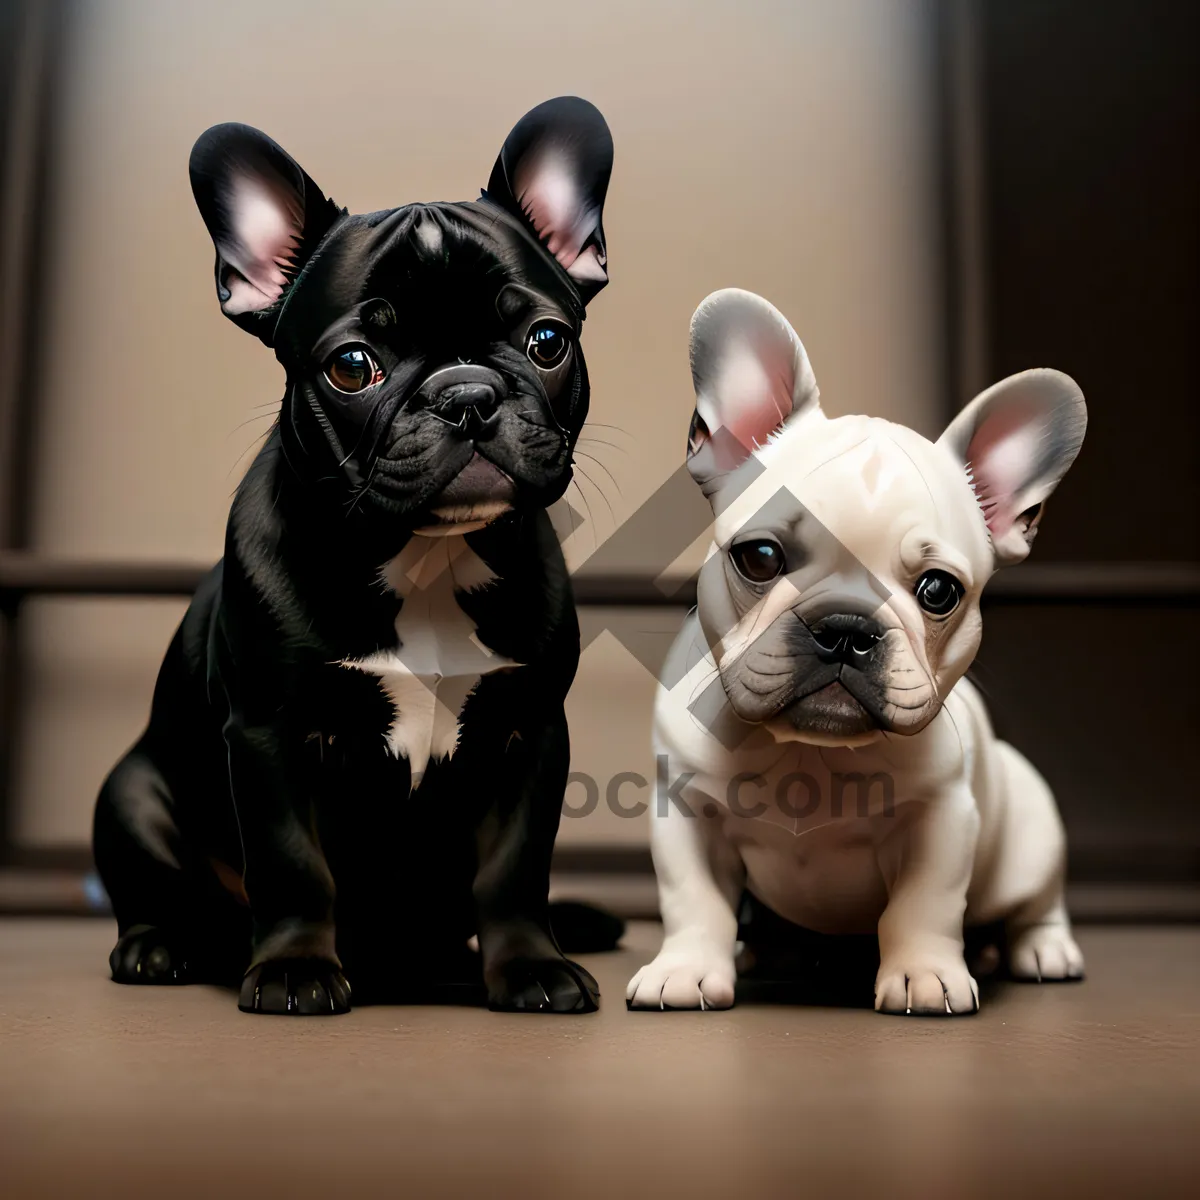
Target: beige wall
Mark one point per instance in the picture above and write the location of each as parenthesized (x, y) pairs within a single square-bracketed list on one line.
[(783, 147)]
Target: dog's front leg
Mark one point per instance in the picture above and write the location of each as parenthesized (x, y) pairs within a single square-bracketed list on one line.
[(926, 851), (294, 968), (523, 968), (700, 879)]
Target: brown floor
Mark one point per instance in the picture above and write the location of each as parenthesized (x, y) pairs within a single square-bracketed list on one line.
[(1070, 1090)]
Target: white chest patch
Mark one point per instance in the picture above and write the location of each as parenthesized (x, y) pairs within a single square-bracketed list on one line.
[(439, 658)]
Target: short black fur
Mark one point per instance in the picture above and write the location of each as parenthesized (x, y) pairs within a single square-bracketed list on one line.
[(260, 830)]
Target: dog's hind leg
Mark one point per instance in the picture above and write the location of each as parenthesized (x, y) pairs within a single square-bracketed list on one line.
[(175, 924), (1030, 872), (1041, 948)]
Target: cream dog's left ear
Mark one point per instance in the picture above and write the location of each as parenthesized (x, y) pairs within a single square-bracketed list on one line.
[(751, 375), (1017, 440)]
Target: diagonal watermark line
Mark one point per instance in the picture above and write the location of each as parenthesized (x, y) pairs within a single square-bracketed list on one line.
[(669, 523)]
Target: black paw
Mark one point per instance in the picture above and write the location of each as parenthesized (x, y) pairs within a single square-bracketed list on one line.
[(298, 987), (148, 955), (554, 985)]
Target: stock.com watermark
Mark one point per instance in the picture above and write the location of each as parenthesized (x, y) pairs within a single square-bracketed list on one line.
[(797, 794)]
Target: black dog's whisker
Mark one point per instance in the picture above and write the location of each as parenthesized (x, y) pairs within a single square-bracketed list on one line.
[(587, 508), (363, 488), (593, 459), (257, 443), (264, 416), (600, 490), (373, 454), (367, 424), (591, 441), (614, 428)]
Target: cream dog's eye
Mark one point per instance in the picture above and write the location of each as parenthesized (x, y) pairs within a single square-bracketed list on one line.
[(938, 593), (758, 561)]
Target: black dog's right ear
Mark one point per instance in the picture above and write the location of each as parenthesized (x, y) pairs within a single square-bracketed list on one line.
[(265, 216), (553, 170)]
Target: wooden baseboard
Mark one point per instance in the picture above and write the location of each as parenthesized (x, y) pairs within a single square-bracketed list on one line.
[(1091, 862), (29, 892)]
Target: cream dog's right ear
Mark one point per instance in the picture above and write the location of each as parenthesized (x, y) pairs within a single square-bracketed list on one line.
[(1018, 439), (751, 375)]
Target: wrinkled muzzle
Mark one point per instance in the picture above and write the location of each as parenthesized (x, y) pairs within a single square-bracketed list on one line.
[(837, 675)]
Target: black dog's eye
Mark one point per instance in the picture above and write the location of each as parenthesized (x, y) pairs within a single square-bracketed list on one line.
[(547, 345), (759, 561), (352, 369), (938, 593)]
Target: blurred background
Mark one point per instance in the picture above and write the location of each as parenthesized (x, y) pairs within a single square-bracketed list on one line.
[(936, 194)]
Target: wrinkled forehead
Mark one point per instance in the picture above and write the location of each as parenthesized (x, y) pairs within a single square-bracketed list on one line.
[(431, 262), (861, 479)]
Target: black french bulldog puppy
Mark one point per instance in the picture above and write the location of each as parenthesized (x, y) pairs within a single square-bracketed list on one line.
[(357, 750)]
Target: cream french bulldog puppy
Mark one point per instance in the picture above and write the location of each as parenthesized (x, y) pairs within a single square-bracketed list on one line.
[(819, 743)]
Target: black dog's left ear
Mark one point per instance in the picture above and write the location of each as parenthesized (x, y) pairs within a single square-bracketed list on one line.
[(553, 170), (265, 216)]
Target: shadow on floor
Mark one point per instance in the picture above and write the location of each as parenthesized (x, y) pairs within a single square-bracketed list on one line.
[(788, 965)]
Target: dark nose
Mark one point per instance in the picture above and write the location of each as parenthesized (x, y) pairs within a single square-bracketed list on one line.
[(459, 397), (846, 638), (465, 395)]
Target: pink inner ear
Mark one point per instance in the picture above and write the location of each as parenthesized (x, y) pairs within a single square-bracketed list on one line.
[(267, 227), (548, 194), (1001, 457), (589, 265), (752, 394)]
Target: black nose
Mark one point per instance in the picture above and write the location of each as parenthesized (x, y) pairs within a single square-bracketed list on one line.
[(459, 397), (846, 638), (465, 395)]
